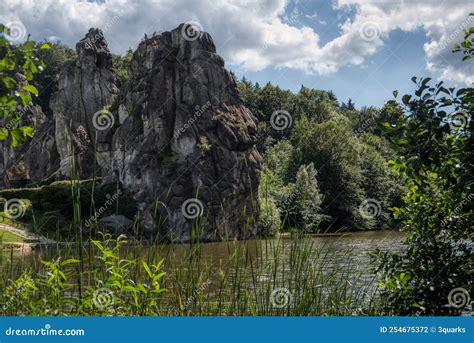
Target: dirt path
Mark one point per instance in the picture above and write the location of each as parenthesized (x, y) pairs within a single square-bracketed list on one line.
[(30, 238)]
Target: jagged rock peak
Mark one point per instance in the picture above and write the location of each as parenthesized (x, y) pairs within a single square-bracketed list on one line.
[(94, 44), (85, 88)]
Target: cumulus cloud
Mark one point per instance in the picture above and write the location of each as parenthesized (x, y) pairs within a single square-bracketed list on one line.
[(255, 34)]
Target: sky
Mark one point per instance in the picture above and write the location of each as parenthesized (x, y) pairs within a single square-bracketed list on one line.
[(359, 49)]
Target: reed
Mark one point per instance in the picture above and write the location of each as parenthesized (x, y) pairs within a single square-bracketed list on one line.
[(263, 278)]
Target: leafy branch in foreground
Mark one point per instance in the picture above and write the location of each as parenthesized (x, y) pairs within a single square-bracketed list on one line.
[(18, 65), (432, 132)]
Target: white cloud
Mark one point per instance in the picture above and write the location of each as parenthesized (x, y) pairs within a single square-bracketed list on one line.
[(256, 34)]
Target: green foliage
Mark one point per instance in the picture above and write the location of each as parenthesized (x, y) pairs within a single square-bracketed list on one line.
[(55, 60), (467, 46), (53, 204), (117, 286), (18, 66), (306, 202), (343, 144), (113, 277), (121, 65), (269, 221), (432, 133)]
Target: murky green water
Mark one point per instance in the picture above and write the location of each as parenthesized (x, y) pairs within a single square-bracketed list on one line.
[(333, 248)]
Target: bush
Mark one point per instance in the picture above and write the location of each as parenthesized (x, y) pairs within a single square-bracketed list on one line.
[(269, 221), (57, 199)]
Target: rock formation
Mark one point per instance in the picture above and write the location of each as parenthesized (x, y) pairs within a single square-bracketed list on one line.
[(177, 136), (33, 161), (85, 88), (185, 140)]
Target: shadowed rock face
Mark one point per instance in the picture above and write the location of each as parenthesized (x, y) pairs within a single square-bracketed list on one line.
[(185, 135), (35, 160), (178, 137), (84, 88)]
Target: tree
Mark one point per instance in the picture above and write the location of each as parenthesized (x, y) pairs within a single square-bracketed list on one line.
[(432, 131), (308, 198), (349, 106), (121, 65), (18, 65)]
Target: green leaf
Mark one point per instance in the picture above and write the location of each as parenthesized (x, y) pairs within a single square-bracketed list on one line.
[(31, 89), (25, 98), (45, 46), (3, 134), (425, 81), (9, 82), (395, 93), (406, 99), (28, 131), (147, 269)]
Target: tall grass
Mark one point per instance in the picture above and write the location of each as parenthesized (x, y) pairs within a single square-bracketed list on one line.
[(270, 277)]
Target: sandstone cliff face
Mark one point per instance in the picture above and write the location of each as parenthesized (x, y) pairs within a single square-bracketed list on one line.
[(34, 161), (177, 136), (84, 89), (186, 141)]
